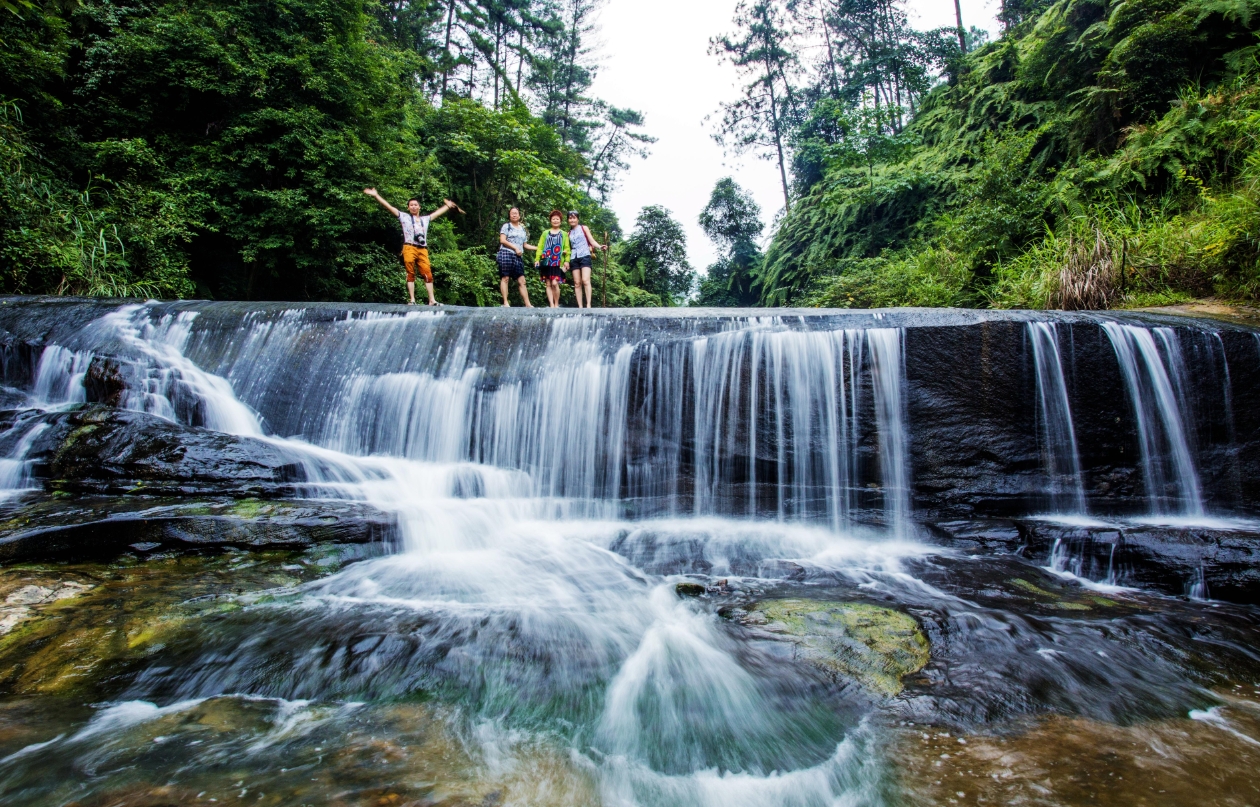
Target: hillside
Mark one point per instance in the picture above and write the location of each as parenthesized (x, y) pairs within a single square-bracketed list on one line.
[(1098, 154)]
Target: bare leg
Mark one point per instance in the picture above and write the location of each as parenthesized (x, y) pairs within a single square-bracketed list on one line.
[(428, 285), (411, 291), (577, 286), (503, 286), (524, 290), (554, 285), (586, 284)]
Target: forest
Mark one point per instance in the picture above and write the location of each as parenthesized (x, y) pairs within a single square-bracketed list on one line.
[(218, 149), (1097, 154)]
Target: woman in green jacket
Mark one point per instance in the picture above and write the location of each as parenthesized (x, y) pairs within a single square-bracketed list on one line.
[(553, 258)]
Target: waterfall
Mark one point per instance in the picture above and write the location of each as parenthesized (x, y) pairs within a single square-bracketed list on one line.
[(749, 416), (1156, 387), (562, 486), (14, 469), (887, 370), (1054, 419)]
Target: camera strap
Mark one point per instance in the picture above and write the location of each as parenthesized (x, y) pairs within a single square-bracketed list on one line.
[(419, 236)]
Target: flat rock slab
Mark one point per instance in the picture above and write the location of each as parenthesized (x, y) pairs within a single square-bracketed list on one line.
[(99, 526), (1167, 559), (102, 450)]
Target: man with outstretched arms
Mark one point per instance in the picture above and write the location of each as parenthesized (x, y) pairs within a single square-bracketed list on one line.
[(415, 249)]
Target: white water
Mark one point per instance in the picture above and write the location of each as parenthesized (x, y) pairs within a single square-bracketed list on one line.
[(1056, 431), (1156, 386), (509, 480)]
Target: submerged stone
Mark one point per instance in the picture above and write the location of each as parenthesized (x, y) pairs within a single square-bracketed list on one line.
[(874, 645)]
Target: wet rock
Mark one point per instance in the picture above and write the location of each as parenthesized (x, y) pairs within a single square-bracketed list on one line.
[(104, 382), (876, 646), (21, 603), (978, 534), (689, 590), (100, 449), (1208, 757), (102, 526), (1170, 560)]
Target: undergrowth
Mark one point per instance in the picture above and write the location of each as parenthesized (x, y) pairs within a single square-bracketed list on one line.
[(1055, 173)]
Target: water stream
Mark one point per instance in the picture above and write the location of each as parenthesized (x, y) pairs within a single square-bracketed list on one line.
[(1054, 411), (1155, 380), (558, 484)]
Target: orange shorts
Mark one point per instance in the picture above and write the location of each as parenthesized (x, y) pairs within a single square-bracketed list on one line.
[(417, 259)]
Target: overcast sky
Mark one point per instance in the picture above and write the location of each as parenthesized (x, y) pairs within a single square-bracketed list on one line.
[(654, 58)]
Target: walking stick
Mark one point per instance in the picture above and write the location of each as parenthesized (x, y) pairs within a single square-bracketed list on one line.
[(606, 245)]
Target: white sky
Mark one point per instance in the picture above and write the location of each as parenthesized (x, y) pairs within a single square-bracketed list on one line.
[(654, 58)]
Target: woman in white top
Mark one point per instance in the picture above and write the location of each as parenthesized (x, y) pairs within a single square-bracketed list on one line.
[(512, 238), (582, 242)]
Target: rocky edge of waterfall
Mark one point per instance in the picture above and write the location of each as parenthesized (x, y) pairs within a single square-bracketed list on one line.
[(970, 398)]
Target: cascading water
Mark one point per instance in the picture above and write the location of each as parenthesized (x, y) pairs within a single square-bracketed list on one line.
[(561, 486), (1054, 418), (508, 466), (1156, 391)]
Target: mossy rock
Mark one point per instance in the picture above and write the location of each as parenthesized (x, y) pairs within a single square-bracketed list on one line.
[(876, 646), (689, 590)]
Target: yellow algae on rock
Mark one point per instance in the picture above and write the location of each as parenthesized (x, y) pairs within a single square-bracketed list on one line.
[(874, 645)]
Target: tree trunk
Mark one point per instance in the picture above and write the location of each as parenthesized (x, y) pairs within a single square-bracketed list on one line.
[(778, 137), (569, 79), (520, 56), (962, 35), (831, 58), (446, 68)]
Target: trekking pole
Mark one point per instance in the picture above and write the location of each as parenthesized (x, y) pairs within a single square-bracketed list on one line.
[(606, 245)]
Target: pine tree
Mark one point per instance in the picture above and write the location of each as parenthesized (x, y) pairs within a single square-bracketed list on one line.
[(761, 120)]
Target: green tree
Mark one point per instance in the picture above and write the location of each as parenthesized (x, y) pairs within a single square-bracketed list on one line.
[(616, 141), (655, 256), (732, 220), (760, 121), (156, 147)]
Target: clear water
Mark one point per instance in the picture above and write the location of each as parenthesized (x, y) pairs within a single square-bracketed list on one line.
[(525, 640)]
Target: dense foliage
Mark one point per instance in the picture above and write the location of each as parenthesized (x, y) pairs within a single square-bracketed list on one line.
[(219, 148), (732, 220), (1099, 153)]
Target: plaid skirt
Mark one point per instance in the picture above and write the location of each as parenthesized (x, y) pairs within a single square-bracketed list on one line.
[(510, 264)]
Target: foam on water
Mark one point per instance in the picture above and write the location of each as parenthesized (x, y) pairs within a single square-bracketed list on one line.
[(544, 523), (506, 492)]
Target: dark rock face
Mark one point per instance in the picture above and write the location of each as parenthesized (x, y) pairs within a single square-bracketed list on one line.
[(974, 430), (1226, 562), (974, 451), (105, 382), (102, 450)]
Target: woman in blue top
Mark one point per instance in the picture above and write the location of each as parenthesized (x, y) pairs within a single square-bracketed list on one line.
[(512, 238), (582, 242)]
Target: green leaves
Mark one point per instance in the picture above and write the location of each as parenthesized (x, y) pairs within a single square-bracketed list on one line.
[(1130, 121), (219, 148), (655, 256)]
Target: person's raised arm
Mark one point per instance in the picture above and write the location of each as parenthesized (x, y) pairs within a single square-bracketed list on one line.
[(447, 204), (372, 192)]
